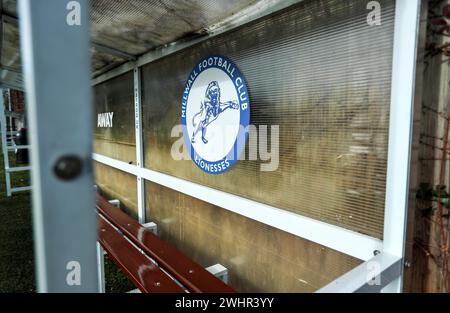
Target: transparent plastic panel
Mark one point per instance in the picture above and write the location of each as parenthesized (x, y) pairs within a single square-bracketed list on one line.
[(320, 73), (259, 258), (137, 26), (115, 184), (114, 119)]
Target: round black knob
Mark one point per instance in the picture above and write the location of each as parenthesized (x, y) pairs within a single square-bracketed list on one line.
[(68, 167)]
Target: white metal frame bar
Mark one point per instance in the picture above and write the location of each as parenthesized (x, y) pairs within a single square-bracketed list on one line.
[(334, 237), (56, 61), (9, 110), (139, 145), (18, 169), (20, 189), (406, 36), (369, 277), (19, 147), (3, 131)]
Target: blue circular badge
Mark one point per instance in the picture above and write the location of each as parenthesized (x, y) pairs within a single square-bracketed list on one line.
[(215, 114)]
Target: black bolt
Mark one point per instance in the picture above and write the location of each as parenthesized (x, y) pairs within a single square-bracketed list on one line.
[(68, 167), (376, 252)]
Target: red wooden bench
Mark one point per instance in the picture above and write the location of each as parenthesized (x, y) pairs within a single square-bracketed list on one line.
[(131, 246)]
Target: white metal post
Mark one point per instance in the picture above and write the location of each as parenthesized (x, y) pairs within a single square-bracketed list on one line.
[(56, 60), (4, 130), (10, 110), (407, 19), (139, 145), (101, 268)]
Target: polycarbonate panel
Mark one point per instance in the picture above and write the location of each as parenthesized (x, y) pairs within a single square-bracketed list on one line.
[(102, 61), (321, 73), (10, 48), (115, 184), (114, 134), (137, 26), (259, 258)]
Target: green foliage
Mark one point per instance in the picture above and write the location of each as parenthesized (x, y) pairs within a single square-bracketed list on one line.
[(428, 193), (425, 192), (440, 191)]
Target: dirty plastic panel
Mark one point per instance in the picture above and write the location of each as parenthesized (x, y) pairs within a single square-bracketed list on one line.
[(114, 120), (259, 258), (115, 184), (137, 26), (321, 74)]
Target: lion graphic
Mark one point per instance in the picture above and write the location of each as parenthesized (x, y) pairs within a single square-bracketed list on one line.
[(210, 109)]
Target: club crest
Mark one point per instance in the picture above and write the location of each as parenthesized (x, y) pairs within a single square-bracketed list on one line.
[(215, 113)]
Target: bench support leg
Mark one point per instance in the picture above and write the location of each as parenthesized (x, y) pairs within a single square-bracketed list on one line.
[(219, 271), (101, 267), (115, 202), (151, 227)]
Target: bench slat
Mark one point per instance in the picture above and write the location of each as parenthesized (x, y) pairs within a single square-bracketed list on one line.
[(193, 276), (142, 272)]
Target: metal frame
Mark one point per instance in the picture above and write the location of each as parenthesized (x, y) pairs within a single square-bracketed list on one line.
[(139, 145), (406, 37), (4, 131), (369, 277), (57, 78), (5, 150), (219, 271), (328, 235), (389, 253), (101, 268), (9, 108)]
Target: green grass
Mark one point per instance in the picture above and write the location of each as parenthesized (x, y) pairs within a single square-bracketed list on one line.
[(16, 238), (116, 281), (16, 241)]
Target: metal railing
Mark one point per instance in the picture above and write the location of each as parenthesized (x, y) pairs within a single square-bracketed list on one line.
[(7, 136)]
